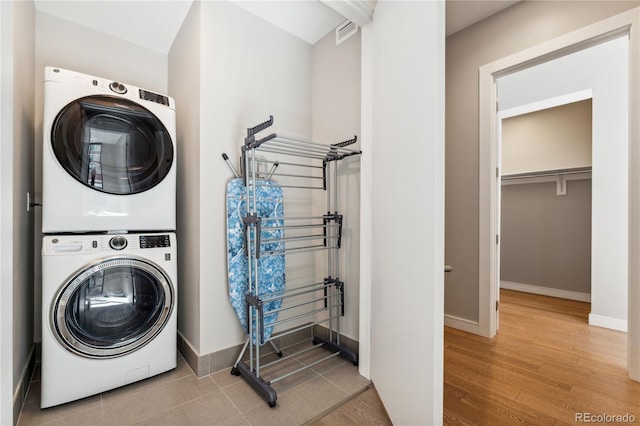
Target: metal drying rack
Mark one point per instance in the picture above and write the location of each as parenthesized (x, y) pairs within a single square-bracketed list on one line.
[(303, 166)]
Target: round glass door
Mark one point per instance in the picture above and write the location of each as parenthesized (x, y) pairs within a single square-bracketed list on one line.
[(113, 307), (112, 145)]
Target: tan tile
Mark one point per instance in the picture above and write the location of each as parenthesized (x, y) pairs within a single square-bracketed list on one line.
[(224, 378), (83, 418), (211, 409), (32, 415), (33, 394), (293, 381), (242, 395), (294, 408), (182, 369), (354, 412), (347, 378), (318, 353), (239, 420), (124, 405)]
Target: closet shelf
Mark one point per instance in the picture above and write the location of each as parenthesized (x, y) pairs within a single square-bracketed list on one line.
[(559, 176), (546, 173)]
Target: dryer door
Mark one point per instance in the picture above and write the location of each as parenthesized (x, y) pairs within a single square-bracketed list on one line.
[(112, 145), (112, 307)]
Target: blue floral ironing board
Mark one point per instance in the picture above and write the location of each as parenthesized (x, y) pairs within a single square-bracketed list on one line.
[(271, 267)]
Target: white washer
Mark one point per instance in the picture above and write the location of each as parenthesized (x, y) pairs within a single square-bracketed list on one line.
[(109, 312), (109, 156)]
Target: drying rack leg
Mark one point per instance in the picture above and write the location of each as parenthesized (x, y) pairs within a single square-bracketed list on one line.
[(334, 347), (234, 369), (262, 387), (275, 348)]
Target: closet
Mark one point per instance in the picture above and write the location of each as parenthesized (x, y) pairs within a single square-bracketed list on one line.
[(546, 201)]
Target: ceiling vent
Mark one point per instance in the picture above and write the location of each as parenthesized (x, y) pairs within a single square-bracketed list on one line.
[(345, 30)]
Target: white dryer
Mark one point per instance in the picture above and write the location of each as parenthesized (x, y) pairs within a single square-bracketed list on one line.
[(109, 156), (109, 306)]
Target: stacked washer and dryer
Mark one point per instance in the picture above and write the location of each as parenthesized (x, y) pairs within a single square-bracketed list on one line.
[(109, 266)]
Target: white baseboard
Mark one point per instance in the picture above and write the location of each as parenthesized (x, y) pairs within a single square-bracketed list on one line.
[(608, 322), (546, 291), (461, 324)]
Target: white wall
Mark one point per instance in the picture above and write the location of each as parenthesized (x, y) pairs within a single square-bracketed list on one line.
[(6, 214), (184, 85), (16, 224), (64, 44), (248, 70), (604, 69), (336, 117), (403, 188)]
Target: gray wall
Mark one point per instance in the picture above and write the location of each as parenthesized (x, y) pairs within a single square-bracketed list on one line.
[(521, 26), (545, 239)]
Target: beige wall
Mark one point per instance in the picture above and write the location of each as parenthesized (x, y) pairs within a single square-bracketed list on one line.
[(550, 139), (521, 26)]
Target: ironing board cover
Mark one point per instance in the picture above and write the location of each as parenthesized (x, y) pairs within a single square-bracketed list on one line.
[(271, 269)]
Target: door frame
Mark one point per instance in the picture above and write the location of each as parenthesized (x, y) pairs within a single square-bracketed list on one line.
[(627, 22)]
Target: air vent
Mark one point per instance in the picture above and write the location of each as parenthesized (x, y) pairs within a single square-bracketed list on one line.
[(345, 30)]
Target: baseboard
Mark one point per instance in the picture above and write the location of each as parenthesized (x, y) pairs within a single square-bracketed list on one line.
[(608, 322), (20, 393), (546, 291), (203, 365), (461, 324)]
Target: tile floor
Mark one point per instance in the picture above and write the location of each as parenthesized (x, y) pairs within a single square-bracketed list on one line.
[(178, 397)]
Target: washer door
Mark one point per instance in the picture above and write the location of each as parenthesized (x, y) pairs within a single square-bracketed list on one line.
[(112, 307), (112, 145)]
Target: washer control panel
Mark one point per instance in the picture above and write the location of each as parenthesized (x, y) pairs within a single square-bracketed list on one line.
[(154, 241), (61, 245)]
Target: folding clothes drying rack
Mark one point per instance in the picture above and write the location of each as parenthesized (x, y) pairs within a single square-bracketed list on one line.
[(308, 166)]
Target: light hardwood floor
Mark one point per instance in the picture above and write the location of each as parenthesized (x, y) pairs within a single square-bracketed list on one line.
[(546, 366)]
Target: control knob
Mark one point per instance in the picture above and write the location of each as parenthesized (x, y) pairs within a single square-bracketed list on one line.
[(118, 243), (118, 88)]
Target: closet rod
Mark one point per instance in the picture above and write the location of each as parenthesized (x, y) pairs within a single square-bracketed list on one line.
[(542, 173)]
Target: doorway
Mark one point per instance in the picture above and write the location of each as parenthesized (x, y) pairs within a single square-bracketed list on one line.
[(622, 26), (545, 198)]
